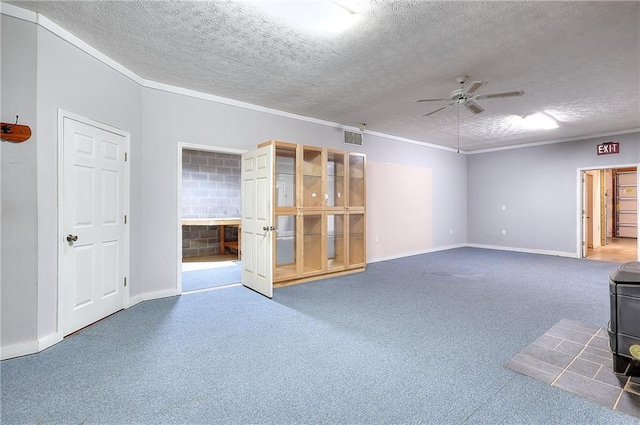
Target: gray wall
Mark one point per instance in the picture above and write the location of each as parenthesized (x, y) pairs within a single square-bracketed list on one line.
[(171, 118), (19, 289), (210, 189), (70, 79), (210, 184), (538, 186), (449, 191), (67, 78)]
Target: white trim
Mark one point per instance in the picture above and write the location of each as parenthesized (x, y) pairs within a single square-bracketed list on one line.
[(414, 142), (525, 250), (57, 30), (410, 254), (30, 347), (62, 114), (19, 13), (75, 41), (552, 142), (178, 191), (136, 299), (19, 350), (232, 102), (579, 224), (48, 341), (473, 245), (207, 148), (160, 294)]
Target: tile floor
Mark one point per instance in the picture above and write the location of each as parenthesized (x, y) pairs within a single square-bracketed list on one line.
[(576, 358), (619, 250)]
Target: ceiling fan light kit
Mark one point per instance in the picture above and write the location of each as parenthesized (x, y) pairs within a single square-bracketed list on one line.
[(538, 121), (466, 96)]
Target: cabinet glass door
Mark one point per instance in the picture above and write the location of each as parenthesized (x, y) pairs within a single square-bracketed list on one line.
[(312, 193), (285, 177), (312, 256), (335, 179), (356, 239), (286, 258), (356, 181), (335, 242)]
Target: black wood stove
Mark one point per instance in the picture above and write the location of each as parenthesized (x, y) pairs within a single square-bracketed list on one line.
[(624, 327)]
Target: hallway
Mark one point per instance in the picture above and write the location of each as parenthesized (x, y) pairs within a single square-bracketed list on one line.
[(619, 250)]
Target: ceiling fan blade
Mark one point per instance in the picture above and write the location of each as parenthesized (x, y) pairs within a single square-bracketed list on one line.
[(473, 107), (498, 95), (433, 112), (471, 88), (433, 100)]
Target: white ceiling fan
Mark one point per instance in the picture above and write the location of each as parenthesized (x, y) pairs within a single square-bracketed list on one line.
[(466, 96)]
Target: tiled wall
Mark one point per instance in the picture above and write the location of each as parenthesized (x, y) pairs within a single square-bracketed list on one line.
[(210, 189)]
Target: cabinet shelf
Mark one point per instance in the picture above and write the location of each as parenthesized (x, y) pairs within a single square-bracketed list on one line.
[(319, 210)]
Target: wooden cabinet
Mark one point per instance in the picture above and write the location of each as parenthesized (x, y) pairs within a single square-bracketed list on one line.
[(319, 212)]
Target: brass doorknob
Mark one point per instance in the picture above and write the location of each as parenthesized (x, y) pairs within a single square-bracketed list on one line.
[(72, 238)]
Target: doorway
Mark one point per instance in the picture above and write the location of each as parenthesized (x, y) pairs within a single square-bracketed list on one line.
[(209, 217), (610, 214)]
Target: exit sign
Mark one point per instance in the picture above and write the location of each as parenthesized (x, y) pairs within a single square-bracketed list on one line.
[(608, 148)]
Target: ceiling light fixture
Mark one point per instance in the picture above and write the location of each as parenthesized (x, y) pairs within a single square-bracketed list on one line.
[(537, 121), (320, 16)]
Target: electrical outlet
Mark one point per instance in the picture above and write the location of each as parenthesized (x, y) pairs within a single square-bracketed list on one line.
[(451, 231), (377, 240), (504, 207)]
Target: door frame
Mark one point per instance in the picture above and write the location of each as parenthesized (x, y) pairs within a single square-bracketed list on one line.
[(62, 114), (195, 147), (580, 202)]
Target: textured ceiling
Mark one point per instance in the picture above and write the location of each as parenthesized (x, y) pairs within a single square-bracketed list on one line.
[(578, 60)]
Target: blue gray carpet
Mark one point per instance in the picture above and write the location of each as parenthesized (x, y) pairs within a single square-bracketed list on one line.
[(209, 278), (421, 340)]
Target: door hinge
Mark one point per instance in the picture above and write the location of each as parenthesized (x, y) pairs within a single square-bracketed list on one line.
[(125, 157), (125, 281), (125, 219)]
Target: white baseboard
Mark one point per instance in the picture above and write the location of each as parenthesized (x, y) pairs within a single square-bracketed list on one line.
[(48, 341), (134, 300), (18, 350), (30, 347), (526, 250), (474, 245), (409, 254), (160, 294)]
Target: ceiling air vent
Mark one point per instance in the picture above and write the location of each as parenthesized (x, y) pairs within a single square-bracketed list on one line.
[(352, 138)]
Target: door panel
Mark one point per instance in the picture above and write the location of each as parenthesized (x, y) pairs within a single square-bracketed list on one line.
[(92, 259), (257, 213), (589, 209)]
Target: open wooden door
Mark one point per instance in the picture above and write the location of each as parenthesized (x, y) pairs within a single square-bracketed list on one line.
[(584, 249), (257, 215), (589, 210)]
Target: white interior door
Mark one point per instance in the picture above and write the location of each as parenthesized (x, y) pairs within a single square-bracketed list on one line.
[(92, 237), (257, 226), (584, 250), (589, 210)]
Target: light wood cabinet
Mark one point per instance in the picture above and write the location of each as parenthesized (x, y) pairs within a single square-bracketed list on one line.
[(319, 212)]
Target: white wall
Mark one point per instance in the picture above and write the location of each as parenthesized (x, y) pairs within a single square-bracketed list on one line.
[(19, 285), (70, 79), (56, 74), (539, 187), (171, 118)]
